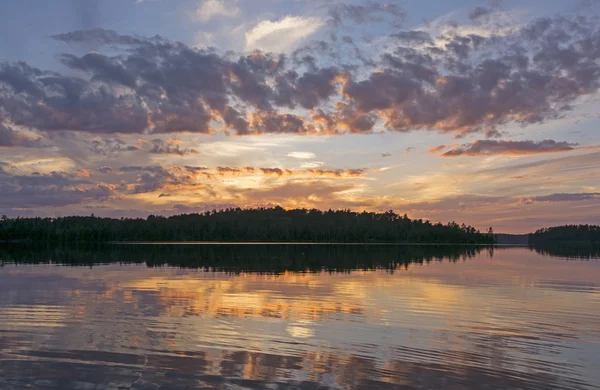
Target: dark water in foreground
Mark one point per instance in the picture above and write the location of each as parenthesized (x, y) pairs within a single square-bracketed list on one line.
[(298, 316)]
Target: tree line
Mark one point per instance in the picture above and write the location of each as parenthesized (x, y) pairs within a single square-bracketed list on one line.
[(588, 234), (254, 225)]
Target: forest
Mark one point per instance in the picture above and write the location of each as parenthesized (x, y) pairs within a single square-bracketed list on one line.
[(579, 234), (245, 225)]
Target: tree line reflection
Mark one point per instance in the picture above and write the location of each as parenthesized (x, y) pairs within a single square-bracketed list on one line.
[(268, 258), (582, 251)]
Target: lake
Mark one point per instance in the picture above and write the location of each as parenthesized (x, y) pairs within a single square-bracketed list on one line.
[(298, 316)]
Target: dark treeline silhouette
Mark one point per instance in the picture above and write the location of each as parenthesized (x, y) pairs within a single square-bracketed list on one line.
[(230, 225), (235, 258), (588, 234)]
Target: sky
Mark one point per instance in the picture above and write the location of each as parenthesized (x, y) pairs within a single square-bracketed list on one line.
[(482, 112)]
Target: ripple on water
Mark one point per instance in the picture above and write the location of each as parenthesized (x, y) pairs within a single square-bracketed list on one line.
[(518, 320)]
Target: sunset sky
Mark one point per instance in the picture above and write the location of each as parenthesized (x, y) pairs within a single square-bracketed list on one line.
[(483, 112)]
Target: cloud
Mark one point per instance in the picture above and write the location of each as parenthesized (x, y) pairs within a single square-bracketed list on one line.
[(283, 172), (268, 122), (439, 148), (210, 9), (10, 138), (82, 172), (332, 173), (169, 147), (152, 178), (276, 172), (50, 190), (338, 172), (302, 155), (312, 164), (98, 36), (495, 147), (223, 171), (111, 146), (462, 83), (552, 198), (412, 37), (105, 169), (478, 94), (283, 35)]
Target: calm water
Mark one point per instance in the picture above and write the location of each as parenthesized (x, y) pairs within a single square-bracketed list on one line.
[(255, 317)]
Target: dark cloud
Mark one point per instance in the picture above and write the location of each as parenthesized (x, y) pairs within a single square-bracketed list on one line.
[(152, 178), (345, 119), (12, 138), (230, 171), (98, 36), (413, 36), (527, 77), (227, 171), (338, 172), (159, 87), (464, 83), (149, 178), (104, 69), (50, 190), (574, 197), (275, 171), (54, 179), (111, 146), (494, 147), (161, 147), (50, 102), (192, 169), (271, 122), (309, 90)]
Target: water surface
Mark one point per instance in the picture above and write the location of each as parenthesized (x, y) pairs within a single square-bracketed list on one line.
[(298, 316)]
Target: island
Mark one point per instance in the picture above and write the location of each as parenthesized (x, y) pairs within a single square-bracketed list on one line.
[(274, 224)]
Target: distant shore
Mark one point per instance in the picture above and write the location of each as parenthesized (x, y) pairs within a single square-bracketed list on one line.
[(246, 225)]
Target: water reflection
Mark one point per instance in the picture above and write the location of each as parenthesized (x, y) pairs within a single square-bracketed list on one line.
[(514, 320), (269, 258), (569, 251)]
